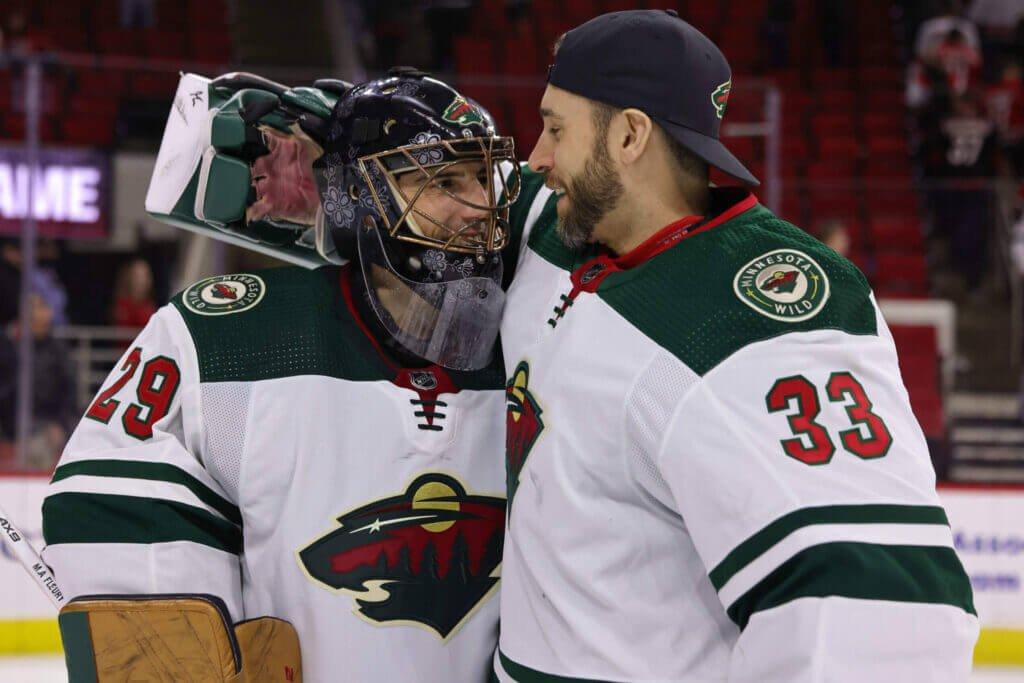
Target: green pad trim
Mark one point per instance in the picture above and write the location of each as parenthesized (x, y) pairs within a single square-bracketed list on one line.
[(78, 650)]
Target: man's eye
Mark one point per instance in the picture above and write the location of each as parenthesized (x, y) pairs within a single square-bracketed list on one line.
[(553, 131)]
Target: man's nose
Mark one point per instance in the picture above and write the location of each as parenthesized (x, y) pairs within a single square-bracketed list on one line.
[(540, 159)]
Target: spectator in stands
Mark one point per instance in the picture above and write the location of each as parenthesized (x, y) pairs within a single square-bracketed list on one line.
[(944, 67), (958, 60), (46, 282), (834, 233), (54, 412), (134, 301), (961, 161), (1004, 101), (923, 82), (16, 33)]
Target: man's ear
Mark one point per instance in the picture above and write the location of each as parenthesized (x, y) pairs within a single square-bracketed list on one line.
[(639, 129)]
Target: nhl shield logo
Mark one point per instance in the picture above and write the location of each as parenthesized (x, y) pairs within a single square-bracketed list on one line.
[(424, 380), (428, 556), (224, 294), (784, 284)]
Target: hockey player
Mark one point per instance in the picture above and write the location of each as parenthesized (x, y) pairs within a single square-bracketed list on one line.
[(319, 446), (714, 473)]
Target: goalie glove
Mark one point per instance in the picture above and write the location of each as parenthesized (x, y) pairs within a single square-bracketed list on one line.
[(109, 639), (234, 159)]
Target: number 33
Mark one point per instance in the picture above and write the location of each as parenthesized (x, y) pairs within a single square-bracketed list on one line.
[(842, 386)]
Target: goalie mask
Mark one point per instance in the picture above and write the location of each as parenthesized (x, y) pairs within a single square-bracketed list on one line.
[(416, 185)]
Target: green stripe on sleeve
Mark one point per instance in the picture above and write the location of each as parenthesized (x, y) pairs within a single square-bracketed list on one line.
[(100, 518), (78, 651), (524, 674), (153, 471), (756, 545), (866, 571)]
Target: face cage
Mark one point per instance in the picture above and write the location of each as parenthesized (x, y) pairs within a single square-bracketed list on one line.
[(492, 151)]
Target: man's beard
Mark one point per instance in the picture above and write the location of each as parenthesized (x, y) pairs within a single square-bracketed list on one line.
[(592, 195)]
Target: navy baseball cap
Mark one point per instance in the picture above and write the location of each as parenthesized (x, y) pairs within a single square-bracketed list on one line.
[(654, 61)]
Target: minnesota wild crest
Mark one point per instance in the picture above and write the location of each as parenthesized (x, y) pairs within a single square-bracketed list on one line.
[(428, 556), (784, 284)]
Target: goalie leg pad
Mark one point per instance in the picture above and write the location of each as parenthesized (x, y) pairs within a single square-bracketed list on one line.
[(173, 638)]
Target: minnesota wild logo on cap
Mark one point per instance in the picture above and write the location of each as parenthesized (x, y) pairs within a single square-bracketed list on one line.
[(224, 294), (784, 284), (461, 113), (720, 97)]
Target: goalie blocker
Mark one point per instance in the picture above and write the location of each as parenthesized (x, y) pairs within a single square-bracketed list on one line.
[(174, 638)]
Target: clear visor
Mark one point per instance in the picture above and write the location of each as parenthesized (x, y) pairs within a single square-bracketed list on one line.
[(453, 323), (453, 195)]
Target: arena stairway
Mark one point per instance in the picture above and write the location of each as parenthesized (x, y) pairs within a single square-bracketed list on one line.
[(987, 438)]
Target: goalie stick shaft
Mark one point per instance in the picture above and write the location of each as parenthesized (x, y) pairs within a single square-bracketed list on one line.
[(30, 560)]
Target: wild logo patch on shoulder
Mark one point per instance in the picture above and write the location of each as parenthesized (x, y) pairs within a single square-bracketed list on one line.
[(784, 284), (224, 294)]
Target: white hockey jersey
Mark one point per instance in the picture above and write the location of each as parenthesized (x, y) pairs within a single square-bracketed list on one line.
[(253, 444), (714, 473)]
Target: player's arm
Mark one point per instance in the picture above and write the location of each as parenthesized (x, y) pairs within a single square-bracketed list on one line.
[(131, 509), (806, 485)]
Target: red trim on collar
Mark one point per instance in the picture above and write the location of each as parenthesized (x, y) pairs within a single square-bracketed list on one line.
[(677, 231), (409, 378), (589, 276), (346, 295), (658, 242)]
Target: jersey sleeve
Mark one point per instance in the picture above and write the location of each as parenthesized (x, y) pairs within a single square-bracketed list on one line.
[(806, 485), (131, 509)]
